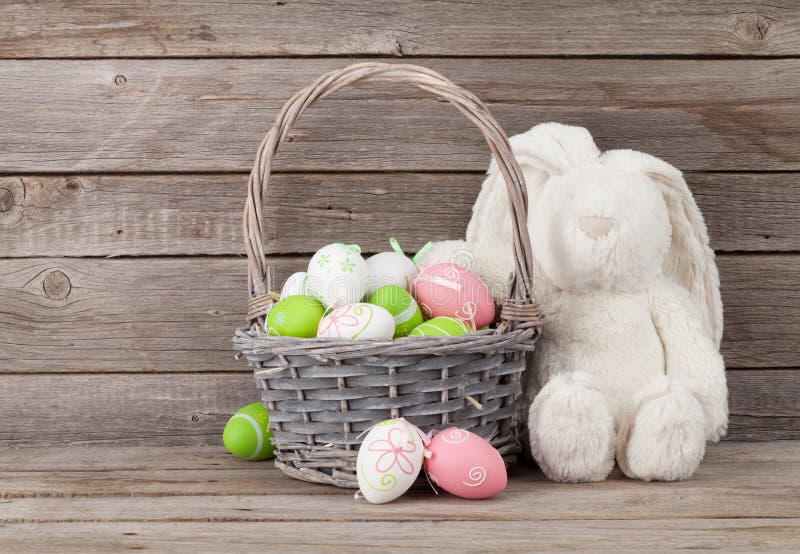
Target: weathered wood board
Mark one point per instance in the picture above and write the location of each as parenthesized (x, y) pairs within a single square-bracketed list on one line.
[(134, 215), (731, 535), (191, 408), (756, 498), (297, 507), (178, 314), (198, 499), (210, 115), (402, 27)]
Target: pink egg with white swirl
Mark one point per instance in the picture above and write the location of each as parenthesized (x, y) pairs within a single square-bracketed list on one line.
[(464, 464), (449, 290)]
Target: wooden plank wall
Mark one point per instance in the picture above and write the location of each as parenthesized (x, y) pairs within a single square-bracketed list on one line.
[(127, 132)]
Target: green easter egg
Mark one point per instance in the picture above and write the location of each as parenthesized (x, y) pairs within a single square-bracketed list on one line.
[(295, 316), (401, 305), (441, 327), (247, 434)]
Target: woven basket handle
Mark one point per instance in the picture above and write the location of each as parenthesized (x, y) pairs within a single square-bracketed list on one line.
[(519, 307)]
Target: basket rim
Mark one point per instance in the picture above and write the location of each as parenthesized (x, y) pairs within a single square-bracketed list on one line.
[(254, 340)]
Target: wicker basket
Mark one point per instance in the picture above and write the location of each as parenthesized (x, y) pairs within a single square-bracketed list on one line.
[(322, 393)]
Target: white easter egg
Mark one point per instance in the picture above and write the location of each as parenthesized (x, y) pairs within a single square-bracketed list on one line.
[(295, 285), (337, 275), (357, 321), (390, 268), (389, 460)]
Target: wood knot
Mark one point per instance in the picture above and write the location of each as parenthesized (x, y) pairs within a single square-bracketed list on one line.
[(752, 27), (120, 80), (6, 200), (12, 200), (72, 184), (56, 285)]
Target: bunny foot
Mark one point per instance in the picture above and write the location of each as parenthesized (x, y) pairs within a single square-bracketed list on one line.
[(572, 430), (665, 439)]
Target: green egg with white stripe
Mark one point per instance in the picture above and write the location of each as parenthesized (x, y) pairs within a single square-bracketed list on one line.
[(441, 327), (398, 302), (247, 434)]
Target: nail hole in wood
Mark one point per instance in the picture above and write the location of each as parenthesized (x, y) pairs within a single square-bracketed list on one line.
[(120, 80)]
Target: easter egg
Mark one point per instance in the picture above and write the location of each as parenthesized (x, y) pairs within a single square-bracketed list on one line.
[(450, 290), (464, 464), (389, 460), (357, 321), (440, 327), (247, 435), (390, 268), (337, 275), (295, 316), (401, 305), (295, 285)]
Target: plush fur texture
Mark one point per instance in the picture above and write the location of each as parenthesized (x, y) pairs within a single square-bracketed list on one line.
[(628, 366)]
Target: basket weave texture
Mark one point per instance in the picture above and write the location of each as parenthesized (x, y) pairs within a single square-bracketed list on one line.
[(322, 393)]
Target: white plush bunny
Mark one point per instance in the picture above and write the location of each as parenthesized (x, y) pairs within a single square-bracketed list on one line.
[(628, 363)]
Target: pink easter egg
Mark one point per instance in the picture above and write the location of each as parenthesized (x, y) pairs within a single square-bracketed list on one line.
[(464, 464), (450, 290)]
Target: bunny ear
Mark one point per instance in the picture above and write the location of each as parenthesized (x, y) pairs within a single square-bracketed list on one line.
[(545, 150), (690, 260)]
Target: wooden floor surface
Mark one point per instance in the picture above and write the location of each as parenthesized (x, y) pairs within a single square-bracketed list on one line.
[(744, 498)]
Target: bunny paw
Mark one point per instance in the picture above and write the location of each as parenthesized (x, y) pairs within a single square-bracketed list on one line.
[(665, 439), (572, 431)]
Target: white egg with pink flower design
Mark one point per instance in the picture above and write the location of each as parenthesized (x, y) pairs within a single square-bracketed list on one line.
[(389, 460), (357, 321)]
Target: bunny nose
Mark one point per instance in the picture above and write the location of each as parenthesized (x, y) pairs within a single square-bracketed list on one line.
[(595, 226)]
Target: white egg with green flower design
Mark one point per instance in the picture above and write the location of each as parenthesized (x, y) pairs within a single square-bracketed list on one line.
[(389, 460), (337, 275)]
